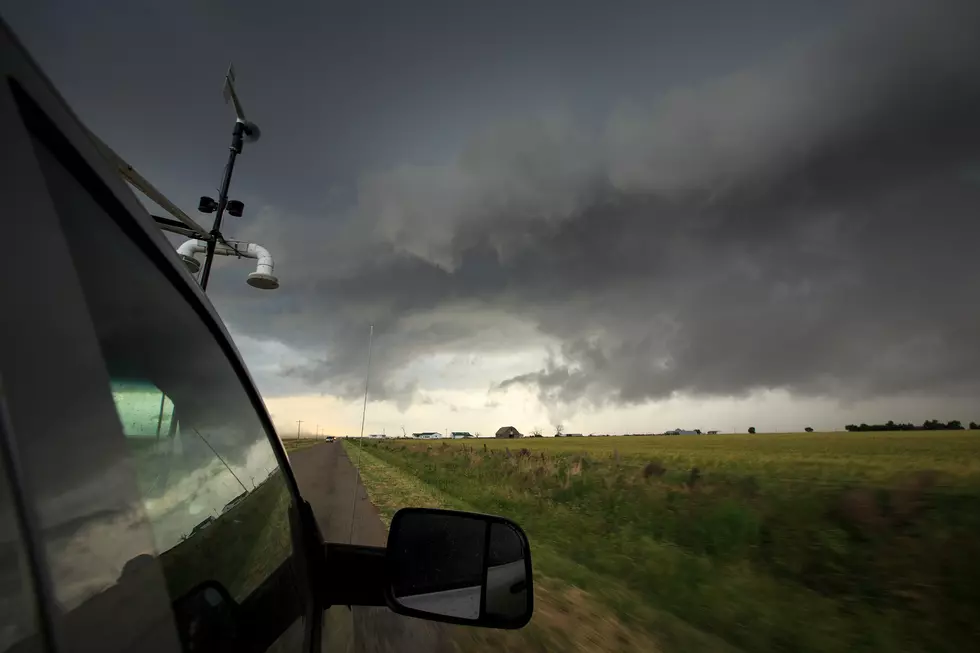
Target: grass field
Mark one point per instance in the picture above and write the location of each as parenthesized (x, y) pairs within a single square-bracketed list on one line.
[(795, 542), (295, 444)]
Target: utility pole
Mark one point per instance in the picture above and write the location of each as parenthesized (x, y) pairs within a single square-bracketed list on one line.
[(299, 423)]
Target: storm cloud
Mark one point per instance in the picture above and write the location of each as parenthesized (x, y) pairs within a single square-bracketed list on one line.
[(809, 223)]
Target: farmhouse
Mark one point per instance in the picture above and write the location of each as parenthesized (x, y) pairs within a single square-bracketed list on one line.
[(457, 435), (427, 435), (508, 432)]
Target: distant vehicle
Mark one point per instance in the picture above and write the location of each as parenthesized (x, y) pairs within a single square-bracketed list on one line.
[(330, 438)]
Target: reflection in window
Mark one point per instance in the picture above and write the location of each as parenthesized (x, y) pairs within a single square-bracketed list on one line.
[(143, 409), (208, 476)]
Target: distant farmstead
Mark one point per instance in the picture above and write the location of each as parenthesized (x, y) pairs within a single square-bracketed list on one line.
[(508, 432)]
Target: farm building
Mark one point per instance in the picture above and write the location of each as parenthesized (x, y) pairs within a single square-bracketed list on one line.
[(683, 432), (457, 435), (508, 432), (427, 435)]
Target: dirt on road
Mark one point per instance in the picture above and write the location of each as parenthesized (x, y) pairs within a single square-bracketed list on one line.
[(329, 481)]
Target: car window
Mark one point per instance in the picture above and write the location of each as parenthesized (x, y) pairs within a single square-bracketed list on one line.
[(210, 482)]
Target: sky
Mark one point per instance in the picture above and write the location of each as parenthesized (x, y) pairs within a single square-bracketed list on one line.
[(621, 217)]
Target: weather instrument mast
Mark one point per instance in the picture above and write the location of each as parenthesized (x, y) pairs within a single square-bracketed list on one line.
[(201, 240), (244, 132)]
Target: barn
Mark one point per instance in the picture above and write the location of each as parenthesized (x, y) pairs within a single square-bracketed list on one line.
[(508, 432)]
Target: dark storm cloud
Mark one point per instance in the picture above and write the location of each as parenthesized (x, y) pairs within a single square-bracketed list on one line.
[(808, 224)]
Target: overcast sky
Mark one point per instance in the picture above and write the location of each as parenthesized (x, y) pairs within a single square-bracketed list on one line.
[(624, 216)]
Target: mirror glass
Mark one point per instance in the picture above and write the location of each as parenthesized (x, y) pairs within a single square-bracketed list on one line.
[(463, 566), (506, 584)]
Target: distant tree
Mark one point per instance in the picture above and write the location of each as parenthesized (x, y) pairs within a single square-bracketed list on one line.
[(559, 430), (536, 432), (974, 426), (808, 429), (751, 429), (928, 425)]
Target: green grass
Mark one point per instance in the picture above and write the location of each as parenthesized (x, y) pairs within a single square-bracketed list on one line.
[(797, 542), (565, 619), (295, 444)]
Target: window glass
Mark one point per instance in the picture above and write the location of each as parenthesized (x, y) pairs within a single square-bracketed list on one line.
[(210, 482)]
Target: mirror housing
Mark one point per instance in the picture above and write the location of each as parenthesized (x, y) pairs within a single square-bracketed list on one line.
[(459, 567)]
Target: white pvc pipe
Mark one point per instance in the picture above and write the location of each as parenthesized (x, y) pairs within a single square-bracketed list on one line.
[(264, 263), (192, 247)]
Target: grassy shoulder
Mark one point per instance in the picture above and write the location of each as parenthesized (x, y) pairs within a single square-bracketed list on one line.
[(742, 546), (566, 617), (296, 444)]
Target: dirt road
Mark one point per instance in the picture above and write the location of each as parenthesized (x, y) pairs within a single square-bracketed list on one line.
[(328, 480)]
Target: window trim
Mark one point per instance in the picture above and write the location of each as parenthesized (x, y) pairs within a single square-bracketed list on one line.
[(27, 530)]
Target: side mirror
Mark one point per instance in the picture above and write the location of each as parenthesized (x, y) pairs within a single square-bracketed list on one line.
[(459, 567)]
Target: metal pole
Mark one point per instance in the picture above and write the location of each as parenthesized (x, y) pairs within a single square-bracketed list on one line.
[(360, 445), (163, 400), (215, 234), (367, 378)]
